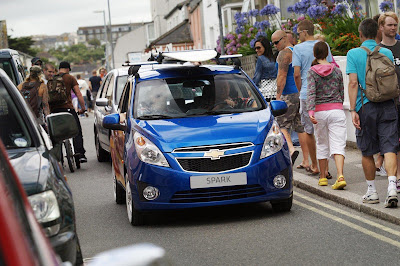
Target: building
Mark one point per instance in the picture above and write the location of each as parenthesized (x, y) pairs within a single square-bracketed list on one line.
[(46, 42), (85, 34)]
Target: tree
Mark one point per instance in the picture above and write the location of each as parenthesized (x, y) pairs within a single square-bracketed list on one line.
[(94, 42), (22, 44)]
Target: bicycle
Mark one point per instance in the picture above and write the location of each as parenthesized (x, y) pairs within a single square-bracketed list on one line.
[(72, 158)]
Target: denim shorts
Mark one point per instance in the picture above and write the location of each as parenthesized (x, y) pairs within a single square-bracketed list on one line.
[(379, 128)]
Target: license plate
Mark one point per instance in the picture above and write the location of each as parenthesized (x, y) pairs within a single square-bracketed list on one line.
[(222, 180)]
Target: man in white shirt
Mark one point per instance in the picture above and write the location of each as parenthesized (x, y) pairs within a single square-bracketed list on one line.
[(83, 87)]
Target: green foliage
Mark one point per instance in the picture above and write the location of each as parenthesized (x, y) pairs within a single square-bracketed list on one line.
[(22, 44), (78, 54), (94, 42)]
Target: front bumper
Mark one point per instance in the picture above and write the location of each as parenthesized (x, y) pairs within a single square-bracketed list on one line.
[(170, 182)]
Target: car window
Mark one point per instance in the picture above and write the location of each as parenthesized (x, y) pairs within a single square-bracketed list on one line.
[(104, 86), (121, 80), (13, 131), (188, 96), (123, 104), (108, 91), (6, 65)]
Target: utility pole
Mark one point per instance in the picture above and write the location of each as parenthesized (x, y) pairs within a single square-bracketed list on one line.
[(221, 30), (111, 38), (105, 36)]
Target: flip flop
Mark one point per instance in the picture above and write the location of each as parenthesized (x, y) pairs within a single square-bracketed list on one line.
[(294, 156), (329, 176), (312, 173), (300, 166)]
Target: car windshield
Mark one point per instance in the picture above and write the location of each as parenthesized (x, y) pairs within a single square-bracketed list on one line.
[(182, 97), (121, 80), (13, 131), (5, 64)]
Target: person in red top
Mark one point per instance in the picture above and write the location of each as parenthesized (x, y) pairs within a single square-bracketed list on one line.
[(72, 85)]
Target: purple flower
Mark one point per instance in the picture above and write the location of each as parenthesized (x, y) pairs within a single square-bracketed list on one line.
[(316, 12), (340, 10), (238, 45), (254, 12), (251, 29), (295, 28), (386, 6), (252, 42), (290, 9), (240, 36), (262, 25), (240, 29), (269, 10), (230, 36), (260, 34), (248, 35)]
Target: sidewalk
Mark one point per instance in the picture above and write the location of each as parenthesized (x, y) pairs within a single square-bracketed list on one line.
[(356, 187)]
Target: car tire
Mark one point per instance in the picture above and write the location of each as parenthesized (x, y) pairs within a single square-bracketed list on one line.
[(135, 217), (282, 205), (119, 192), (102, 155)]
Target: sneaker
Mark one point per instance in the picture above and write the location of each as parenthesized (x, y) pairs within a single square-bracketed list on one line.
[(340, 183), (83, 159), (381, 171), (398, 186), (86, 114), (391, 199), (371, 198), (322, 182)]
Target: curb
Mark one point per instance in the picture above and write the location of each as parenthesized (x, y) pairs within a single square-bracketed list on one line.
[(361, 207)]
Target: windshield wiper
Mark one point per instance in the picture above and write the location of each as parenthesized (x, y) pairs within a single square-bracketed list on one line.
[(148, 117)]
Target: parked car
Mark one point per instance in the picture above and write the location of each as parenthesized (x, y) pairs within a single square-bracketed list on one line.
[(191, 136), (22, 240), (32, 155), (10, 62), (107, 103)]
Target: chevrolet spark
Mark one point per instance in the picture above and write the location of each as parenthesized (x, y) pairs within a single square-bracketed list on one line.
[(192, 136)]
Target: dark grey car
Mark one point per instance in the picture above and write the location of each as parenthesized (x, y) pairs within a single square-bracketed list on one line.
[(10, 62), (107, 103)]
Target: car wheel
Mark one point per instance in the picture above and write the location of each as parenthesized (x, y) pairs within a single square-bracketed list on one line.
[(135, 217), (119, 192), (102, 155), (282, 205)]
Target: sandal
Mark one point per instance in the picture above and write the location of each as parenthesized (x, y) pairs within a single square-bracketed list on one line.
[(300, 166), (329, 176)]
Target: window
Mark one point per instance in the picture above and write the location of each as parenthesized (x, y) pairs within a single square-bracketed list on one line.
[(6, 65), (284, 5), (109, 91), (14, 132), (121, 80), (105, 86)]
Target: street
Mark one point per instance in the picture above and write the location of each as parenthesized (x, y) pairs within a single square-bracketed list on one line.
[(316, 231)]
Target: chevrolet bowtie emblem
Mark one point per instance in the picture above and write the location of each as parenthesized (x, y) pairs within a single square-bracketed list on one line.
[(214, 154)]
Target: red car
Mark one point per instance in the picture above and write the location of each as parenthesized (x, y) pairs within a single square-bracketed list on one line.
[(22, 240)]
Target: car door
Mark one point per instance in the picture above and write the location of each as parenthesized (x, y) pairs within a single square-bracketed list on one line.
[(106, 92), (117, 140)]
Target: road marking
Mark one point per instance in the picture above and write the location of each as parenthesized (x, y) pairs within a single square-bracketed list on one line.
[(349, 224), (353, 216)]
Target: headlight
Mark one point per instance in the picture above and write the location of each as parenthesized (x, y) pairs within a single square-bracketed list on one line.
[(148, 152), (45, 207), (273, 142)]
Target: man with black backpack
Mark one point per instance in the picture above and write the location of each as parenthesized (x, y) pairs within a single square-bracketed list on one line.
[(373, 87), (59, 89)]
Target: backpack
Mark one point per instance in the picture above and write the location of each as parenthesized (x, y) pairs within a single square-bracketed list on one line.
[(30, 92), (57, 90), (380, 77)]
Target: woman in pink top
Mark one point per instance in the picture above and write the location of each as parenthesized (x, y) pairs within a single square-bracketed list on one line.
[(325, 95)]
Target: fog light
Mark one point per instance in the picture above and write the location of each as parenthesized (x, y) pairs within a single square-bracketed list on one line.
[(279, 181), (151, 193)]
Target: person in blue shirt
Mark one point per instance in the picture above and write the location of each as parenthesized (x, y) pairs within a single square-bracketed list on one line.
[(375, 122), (265, 68)]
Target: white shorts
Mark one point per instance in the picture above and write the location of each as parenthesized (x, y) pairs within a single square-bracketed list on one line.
[(330, 133)]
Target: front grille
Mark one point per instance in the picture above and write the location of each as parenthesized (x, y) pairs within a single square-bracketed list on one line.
[(207, 165), (218, 194), (213, 147)]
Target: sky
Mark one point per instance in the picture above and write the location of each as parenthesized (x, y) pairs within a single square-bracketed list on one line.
[(54, 17)]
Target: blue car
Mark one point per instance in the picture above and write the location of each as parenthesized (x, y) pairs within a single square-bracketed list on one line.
[(195, 135)]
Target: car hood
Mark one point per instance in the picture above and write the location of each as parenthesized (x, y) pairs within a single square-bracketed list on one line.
[(207, 130), (27, 164)]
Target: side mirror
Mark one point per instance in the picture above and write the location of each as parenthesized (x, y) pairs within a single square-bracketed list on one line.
[(112, 122), (102, 102), (278, 107), (61, 126)]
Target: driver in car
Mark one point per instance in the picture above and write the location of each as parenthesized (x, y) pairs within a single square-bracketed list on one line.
[(222, 96)]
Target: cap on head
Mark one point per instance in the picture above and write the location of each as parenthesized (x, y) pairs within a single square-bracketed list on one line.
[(35, 69), (65, 64), (36, 61)]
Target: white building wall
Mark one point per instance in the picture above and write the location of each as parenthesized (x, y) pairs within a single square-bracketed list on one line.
[(211, 24), (134, 41)]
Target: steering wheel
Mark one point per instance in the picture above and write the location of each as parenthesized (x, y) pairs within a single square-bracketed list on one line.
[(222, 103)]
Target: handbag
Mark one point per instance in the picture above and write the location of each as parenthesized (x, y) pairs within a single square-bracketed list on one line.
[(268, 88)]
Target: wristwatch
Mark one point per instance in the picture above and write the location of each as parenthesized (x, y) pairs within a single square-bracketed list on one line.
[(351, 110)]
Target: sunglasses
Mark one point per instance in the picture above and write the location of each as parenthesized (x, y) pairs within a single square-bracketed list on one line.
[(257, 48), (276, 42)]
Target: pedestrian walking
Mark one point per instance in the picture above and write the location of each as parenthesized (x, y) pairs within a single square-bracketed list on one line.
[(94, 84), (302, 59), (265, 74), (83, 87), (325, 96), (35, 93), (388, 26), (288, 92), (48, 71), (375, 121)]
